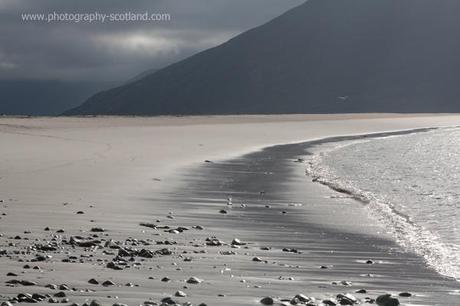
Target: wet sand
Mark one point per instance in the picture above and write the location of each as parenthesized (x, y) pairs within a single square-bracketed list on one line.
[(116, 174)]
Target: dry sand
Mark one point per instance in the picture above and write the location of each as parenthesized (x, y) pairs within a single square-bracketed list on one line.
[(124, 171)]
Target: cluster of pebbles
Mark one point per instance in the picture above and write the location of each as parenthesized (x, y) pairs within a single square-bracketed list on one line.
[(97, 246)]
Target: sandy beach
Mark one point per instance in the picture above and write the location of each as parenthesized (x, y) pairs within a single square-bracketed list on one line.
[(211, 210)]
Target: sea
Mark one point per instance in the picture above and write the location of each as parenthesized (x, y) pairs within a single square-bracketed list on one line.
[(409, 183)]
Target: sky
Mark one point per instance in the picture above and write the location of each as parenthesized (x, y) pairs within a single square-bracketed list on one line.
[(118, 50)]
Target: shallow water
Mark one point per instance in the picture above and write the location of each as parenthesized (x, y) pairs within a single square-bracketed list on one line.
[(409, 183)]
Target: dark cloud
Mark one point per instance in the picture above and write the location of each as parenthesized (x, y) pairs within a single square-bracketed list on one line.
[(118, 50)]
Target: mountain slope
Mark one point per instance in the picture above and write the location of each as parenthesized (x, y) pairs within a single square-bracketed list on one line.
[(44, 97), (325, 56)]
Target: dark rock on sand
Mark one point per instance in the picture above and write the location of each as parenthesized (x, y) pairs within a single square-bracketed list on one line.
[(108, 283), (302, 298), (113, 266), (95, 303), (194, 280), (213, 241), (238, 242), (387, 300), (346, 299), (405, 294), (85, 243), (93, 281), (180, 294), (267, 301), (97, 230)]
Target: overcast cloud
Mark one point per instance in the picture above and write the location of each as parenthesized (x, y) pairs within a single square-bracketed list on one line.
[(115, 51)]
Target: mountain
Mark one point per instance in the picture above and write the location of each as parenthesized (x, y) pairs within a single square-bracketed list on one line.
[(44, 97), (324, 56)]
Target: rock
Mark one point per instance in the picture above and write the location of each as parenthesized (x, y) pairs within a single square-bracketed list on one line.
[(361, 291), (11, 274), (302, 298), (60, 294), (163, 252), (149, 225), (80, 212), (267, 301), (97, 230), (27, 283), (64, 287), (405, 294), (387, 300), (329, 302), (165, 279), (84, 243), (346, 299), (145, 253), (228, 253), (180, 294), (95, 303), (168, 301), (108, 283), (213, 241), (194, 280), (237, 241), (114, 266), (6, 304), (93, 281), (287, 250), (223, 211), (257, 259), (38, 297)]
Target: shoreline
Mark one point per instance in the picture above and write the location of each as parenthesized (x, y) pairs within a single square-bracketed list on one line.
[(60, 188)]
